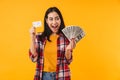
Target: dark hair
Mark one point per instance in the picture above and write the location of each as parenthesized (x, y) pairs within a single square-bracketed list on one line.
[(47, 31)]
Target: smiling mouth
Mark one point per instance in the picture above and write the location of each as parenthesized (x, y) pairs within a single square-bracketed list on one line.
[(55, 27)]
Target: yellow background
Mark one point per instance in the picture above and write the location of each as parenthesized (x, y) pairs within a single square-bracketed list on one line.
[(97, 55)]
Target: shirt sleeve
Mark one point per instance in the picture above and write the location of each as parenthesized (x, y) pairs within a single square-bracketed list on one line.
[(32, 56)]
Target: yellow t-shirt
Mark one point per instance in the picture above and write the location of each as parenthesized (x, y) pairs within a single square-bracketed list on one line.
[(50, 54)]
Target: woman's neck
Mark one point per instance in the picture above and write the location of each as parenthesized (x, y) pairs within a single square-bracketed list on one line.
[(54, 34)]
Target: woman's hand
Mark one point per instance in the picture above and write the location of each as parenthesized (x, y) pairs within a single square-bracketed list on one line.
[(71, 45), (32, 32), (70, 48)]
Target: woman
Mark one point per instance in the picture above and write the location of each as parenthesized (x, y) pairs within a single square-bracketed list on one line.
[(51, 50)]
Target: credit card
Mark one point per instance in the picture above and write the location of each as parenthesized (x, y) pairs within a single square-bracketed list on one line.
[(36, 24)]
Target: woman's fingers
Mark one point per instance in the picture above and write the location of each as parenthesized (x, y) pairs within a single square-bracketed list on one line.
[(72, 42), (32, 31), (71, 45)]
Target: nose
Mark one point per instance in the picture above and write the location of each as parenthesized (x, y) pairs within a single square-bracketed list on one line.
[(54, 21)]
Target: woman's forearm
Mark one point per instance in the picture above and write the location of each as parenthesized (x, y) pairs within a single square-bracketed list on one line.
[(68, 54), (32, 46)]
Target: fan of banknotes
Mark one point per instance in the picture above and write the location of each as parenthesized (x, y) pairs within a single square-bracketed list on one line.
[(73, 32)]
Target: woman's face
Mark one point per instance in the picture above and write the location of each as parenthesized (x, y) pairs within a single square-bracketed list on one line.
[(53, 21)]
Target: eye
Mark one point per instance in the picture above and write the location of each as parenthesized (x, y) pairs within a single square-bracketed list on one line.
[(57, 18), (50, 19)]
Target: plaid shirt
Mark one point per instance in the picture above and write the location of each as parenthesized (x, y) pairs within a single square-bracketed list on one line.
[(62, 69)]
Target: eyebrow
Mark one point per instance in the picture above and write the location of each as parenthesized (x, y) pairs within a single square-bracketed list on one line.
[(55, 17)]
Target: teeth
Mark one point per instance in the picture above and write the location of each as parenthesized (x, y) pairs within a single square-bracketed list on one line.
[(54, 26)]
